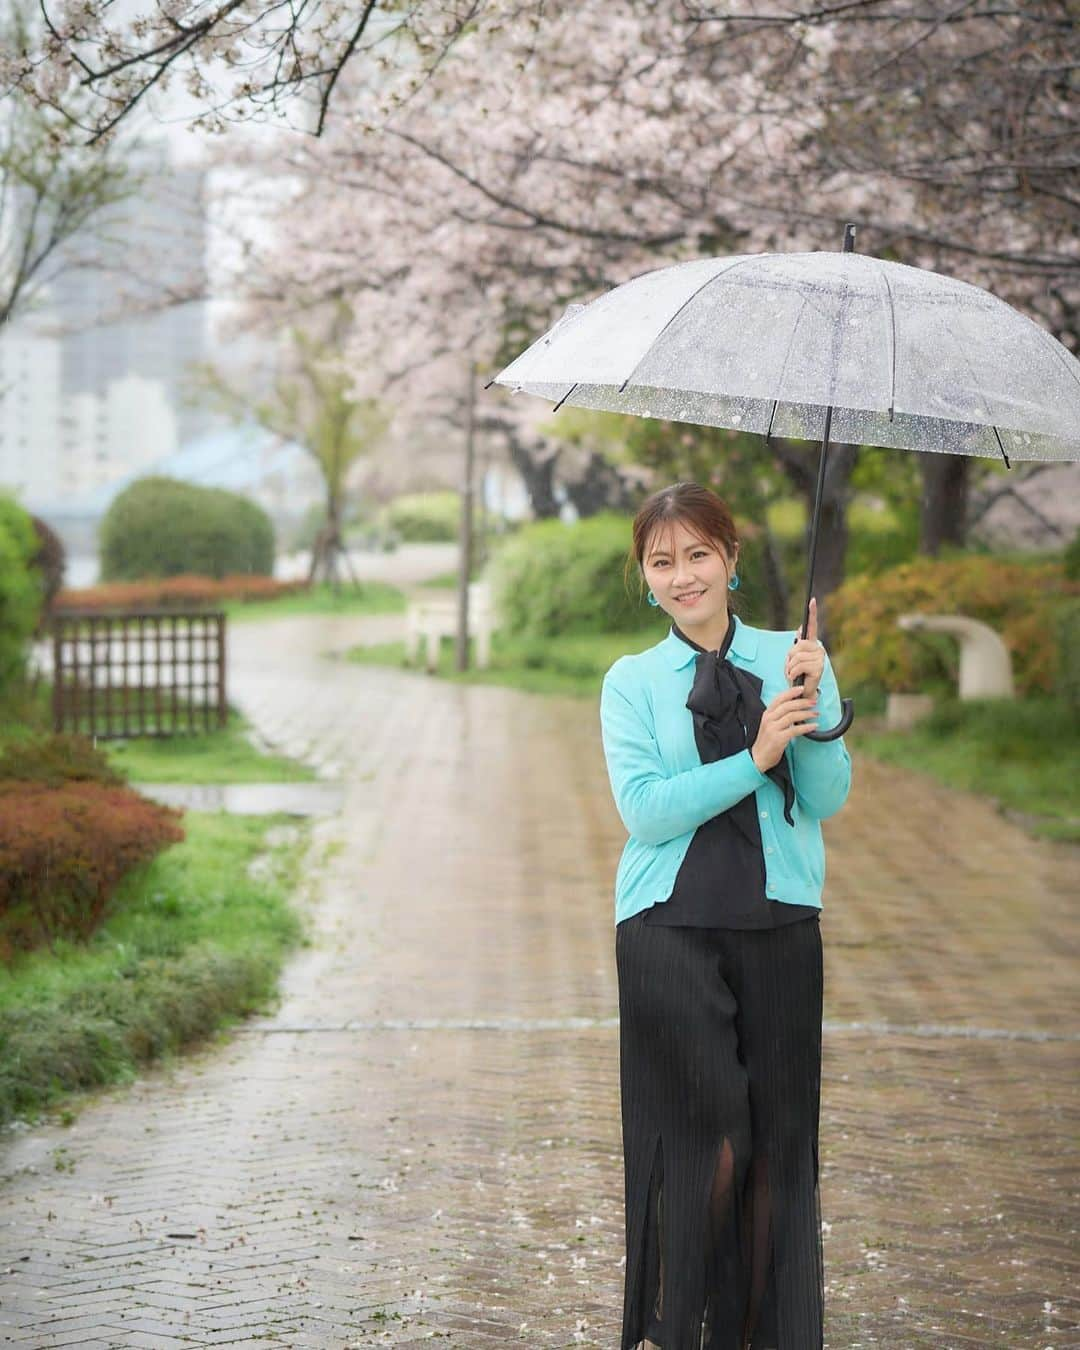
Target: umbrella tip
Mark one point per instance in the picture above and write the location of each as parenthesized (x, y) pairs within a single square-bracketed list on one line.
[(849, 237)]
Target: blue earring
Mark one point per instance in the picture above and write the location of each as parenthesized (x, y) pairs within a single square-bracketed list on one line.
[(733, 584), (652, 599)]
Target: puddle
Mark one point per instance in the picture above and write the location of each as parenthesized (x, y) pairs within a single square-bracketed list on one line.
[(249, 799)]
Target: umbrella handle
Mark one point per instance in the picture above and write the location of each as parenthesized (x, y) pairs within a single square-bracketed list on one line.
[(847, 716)]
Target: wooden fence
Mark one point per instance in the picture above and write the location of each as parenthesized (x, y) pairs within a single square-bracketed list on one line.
[(153, 673)]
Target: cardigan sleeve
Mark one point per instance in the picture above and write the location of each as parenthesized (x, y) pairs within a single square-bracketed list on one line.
[(821, 770), (656, 806)]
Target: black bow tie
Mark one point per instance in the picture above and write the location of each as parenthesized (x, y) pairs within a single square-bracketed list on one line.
[(727, 709)]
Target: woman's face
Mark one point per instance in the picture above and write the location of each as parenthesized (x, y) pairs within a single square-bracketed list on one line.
[(687, 575)]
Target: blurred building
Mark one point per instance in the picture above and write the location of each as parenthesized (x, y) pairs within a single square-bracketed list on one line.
[(92, 382)]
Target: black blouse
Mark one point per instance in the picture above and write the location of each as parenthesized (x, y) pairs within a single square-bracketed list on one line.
[(721, 882)]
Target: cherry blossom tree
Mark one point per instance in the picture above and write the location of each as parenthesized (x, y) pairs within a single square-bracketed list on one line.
[(52, 198), (236, 60), (529, 172)]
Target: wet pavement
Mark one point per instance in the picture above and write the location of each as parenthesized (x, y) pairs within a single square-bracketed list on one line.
[(422, 1144), (249, 799)]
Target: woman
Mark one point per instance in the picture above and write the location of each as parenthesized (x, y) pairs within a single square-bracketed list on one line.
[(718, 948)]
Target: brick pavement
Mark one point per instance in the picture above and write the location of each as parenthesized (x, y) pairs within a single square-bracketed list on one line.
[(422, 1143)]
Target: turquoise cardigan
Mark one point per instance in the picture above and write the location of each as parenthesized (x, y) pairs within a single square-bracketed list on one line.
[(663, 792)]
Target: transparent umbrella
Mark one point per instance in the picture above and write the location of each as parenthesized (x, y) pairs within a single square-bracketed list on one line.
[(816, 346)]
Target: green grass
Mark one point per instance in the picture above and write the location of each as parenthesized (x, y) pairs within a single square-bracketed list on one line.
[(195, 940), (215, 757), (225, 756), (571, 664), (369, 597), (445, 580), (1024, 754)]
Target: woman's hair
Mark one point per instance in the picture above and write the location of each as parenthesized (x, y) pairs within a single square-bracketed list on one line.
[(698, 508)]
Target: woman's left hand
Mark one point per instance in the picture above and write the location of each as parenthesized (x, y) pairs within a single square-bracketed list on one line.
[(806, 656)]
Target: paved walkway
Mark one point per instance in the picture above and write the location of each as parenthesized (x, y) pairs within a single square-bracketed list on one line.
[(423, 1143)]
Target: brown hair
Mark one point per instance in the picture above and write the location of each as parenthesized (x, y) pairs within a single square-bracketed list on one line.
[(698, 508)]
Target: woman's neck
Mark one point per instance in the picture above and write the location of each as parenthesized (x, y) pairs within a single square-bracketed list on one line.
[(710, 636)]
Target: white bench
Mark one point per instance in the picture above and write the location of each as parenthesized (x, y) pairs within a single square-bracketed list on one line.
[(429, 621), (985, 661)]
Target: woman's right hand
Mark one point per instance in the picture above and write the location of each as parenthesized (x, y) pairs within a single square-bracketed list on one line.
[(783, 720)]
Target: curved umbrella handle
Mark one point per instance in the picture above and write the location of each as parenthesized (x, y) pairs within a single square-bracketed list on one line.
[(847, 716)]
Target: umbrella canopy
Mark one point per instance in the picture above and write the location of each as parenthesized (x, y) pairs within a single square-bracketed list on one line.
[(767, 342)]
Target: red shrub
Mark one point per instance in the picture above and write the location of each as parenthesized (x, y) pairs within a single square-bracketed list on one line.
[(182, 592), (63, 851)]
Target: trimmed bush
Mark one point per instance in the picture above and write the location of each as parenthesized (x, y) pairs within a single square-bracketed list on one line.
[(181, 592), (69, 830), (1067, 619), (424, 517), (62, 852), (20, 589), (50, 563), (551, 578), (1018, 600), (1072, 558), (53, 759), (162, 527)]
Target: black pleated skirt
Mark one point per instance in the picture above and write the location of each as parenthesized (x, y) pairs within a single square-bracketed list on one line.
[(720, 1069)]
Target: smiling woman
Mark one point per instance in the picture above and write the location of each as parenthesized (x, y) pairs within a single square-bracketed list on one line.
[(718, 949)]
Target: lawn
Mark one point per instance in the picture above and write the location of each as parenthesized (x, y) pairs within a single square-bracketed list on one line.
[(368, 597), (195, 940), (572, 664), (227, 756), (1024, 754), (231, 755)]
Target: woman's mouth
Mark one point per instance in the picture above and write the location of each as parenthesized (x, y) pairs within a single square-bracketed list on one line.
[(689, 597)]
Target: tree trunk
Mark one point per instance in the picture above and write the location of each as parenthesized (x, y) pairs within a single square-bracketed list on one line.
[(775, 582), (600, 488), (536, 464), (943, 506)]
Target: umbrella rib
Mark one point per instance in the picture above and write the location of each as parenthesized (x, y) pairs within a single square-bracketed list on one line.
[(884, 277), (693, 296), (1004, 456), (565, 397), (787, 358)]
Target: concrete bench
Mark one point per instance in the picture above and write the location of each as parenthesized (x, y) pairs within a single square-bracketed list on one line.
[(985, 665), (427, 622)]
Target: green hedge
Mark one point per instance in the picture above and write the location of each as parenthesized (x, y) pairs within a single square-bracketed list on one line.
[(21, 594), (1068, 643), (423, 517), (550, 578), (1072, 558), (162, 527)]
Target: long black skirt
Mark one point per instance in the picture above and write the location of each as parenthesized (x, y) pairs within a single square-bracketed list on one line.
[(720, 1066)]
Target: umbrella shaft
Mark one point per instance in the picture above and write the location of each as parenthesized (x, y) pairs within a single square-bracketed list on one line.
[(816, 519)]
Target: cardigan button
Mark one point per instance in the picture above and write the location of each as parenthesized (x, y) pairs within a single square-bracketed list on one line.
[(764, 815)]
